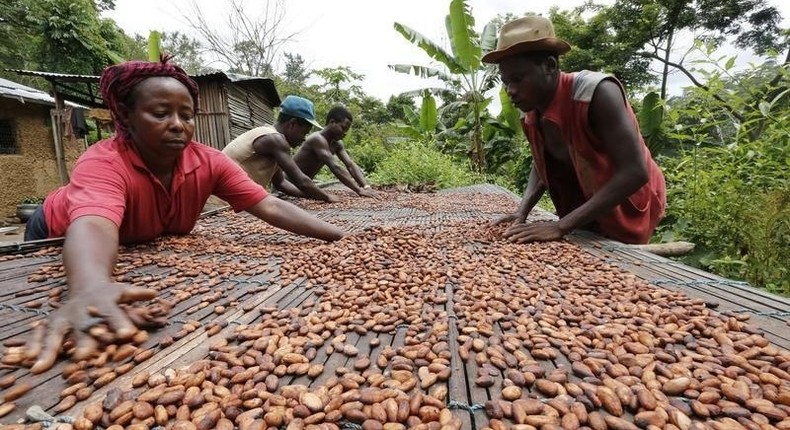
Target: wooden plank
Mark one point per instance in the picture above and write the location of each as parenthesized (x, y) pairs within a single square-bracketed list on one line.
[(775, 328), (458, 390), (266, 289)]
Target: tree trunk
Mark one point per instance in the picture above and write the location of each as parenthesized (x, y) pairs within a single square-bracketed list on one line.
[(665, 72), (478, 152)]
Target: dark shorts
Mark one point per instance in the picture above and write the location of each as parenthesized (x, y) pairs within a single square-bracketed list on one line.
[(36, 227)]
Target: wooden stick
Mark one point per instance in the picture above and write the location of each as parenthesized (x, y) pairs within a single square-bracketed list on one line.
[(668, 249)]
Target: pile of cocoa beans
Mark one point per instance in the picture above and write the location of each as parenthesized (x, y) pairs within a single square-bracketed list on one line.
[(546, 335)]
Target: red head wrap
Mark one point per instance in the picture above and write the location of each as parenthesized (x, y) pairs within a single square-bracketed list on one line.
[(118, 81)]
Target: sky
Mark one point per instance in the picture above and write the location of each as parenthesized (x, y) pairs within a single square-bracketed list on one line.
[(358, 34)]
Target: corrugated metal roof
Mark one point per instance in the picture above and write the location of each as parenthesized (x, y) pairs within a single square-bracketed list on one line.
[(266, 85), (23, 93), (62, 77), (263, 84)]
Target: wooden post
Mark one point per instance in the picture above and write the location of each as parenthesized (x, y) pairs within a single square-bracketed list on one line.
[(98, 128), (57, 134)]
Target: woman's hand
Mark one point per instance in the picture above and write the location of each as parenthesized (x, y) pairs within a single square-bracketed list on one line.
[(83, 311), (290, 217)]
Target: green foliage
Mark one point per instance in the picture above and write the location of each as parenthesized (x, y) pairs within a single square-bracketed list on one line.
[(651, 118), (296, 72), (32, 200), (65, 36), (396, 107), (655, 26), (728, 187), (419, 163), (370, 144), (185, 50), (466, 79), (340, 84), (651, 114), (596, 47), (154, 46), (423, 124), (71, 36)]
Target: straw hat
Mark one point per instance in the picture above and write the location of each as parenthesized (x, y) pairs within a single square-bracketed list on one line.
[(528, 34)]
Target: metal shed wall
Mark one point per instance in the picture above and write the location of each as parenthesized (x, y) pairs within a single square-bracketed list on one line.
[(248, 108), (211, 126)]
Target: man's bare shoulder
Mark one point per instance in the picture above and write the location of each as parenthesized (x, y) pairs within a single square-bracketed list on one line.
[(315, 140)]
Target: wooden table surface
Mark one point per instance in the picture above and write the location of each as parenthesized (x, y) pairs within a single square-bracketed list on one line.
[(256, 253)]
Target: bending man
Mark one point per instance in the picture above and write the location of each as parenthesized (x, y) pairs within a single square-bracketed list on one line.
[(586, 146)]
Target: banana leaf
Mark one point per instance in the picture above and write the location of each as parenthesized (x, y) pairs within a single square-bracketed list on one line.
[(460, 25), (422, 71), (432, 49)]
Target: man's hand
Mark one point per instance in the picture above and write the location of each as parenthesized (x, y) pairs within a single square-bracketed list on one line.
[(514, 218), (367, 192), (82, 311), (534, 232), (332, 199)]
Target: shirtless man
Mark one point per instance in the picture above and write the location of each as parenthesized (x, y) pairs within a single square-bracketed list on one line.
[(265, 152), (320, 149)]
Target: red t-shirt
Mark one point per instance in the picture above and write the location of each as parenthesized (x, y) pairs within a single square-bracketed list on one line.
[(111, 180), (632, 221)]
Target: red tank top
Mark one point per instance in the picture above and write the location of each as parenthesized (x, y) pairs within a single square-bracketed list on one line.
[(634, 220)]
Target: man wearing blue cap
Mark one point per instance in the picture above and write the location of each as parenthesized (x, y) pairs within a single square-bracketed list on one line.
[(265, 152)]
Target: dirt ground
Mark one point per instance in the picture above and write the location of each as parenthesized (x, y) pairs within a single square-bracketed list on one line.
[(8, 235)]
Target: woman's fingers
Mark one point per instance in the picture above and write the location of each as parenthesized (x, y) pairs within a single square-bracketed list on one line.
[(47, 337), (120, 323), (135, 294), (85, 345), (35, 342), (53, 341)]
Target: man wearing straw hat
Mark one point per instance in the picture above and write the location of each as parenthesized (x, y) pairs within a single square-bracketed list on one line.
[(586, 146)]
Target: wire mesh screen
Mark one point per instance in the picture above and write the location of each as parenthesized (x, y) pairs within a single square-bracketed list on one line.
[(8, 144)]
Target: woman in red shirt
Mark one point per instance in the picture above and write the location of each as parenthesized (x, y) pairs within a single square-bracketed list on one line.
[(149, 179)]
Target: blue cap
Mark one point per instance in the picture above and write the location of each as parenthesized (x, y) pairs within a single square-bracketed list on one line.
[(299, 107)]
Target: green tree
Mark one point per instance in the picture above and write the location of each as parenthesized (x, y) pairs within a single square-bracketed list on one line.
[(464, 75), (72, 37), (656, 26), (59, 35), (396, 105), (340, 84), (18, 37), (595, 46), (296, 72)]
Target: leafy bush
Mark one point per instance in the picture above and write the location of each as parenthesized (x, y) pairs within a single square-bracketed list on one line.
[(31, 200), (368, 144), (368, 154), (728, 189), (417, 163)]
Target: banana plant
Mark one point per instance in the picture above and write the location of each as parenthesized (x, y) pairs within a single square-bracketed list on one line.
[(651, 115), (464, 75), (154, 46), (425, 123)]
